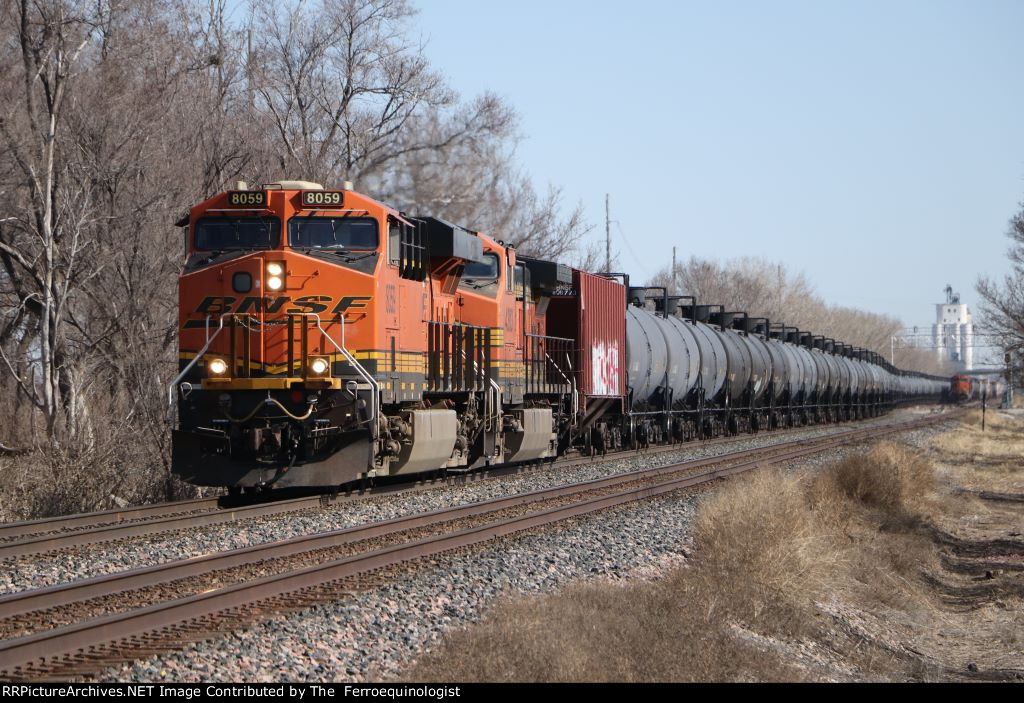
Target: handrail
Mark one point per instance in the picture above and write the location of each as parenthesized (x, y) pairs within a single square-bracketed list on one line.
[(557, 368), (543, 349), (374, 386), (570, 382), (195, 359), (494, 386), (544, 336), (498, 413), (490, 421)]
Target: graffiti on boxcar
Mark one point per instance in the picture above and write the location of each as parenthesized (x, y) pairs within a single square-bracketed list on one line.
[(604, 364)]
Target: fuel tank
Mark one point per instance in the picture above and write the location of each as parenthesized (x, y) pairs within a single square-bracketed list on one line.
[(810, 369), (761, 366), (842, 385), (713, 363), (646, 354), (738, 356), (856, 375), (794, 380), (680, 353), (871, 379), (684, 357), (834, 377), (823, 370), (781, 369)]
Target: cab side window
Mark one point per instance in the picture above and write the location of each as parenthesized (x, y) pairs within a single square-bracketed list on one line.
[(394, 234), (407, 249)]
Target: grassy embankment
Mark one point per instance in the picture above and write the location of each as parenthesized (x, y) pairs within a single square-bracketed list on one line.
[(897, 563)]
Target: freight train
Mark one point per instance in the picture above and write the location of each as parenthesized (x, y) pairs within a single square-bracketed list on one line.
[(963, 388), (327, 338)]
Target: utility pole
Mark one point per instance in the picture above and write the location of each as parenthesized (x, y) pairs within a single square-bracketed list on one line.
[(607, 233), (674, 271), (1008, 395)]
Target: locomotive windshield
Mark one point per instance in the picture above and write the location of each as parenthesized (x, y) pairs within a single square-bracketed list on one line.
[(227, 233), (344, 233), (487, 270)]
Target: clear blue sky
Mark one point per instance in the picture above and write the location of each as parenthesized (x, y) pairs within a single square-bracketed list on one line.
[(876, 146)]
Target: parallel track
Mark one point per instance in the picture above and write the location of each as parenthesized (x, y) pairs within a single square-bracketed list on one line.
[(9, 531), (56, 534), (86, 646)]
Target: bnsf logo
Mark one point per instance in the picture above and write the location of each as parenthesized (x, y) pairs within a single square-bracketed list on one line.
[(224, 304)]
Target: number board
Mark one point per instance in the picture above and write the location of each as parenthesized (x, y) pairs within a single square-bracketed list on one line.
[(247, 198), (323, 198)]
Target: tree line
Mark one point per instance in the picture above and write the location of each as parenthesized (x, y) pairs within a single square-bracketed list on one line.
[(116, 115), (767, 289)]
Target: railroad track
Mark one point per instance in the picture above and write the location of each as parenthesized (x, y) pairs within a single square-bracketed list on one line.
[(202, 596), (36, 537), (30, 529)]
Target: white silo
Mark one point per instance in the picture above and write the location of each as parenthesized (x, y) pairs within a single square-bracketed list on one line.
[(953, 332)]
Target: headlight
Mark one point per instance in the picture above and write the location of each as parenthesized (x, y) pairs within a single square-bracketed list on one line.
[(319, 367), (275, 283), (275, 269), (217, 367)]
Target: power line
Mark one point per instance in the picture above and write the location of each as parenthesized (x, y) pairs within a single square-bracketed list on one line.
[(639, 263)]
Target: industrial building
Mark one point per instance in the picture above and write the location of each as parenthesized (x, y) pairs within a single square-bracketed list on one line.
[(953, 332)]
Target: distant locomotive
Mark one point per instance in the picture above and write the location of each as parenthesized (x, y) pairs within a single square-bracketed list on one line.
[(963, 388), (326, 338)]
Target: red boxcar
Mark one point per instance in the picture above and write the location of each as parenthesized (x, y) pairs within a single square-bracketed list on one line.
[(593, 313)]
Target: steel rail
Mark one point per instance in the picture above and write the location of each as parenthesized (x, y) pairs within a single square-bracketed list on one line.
[(53, 542), (103, 517), (62, 594), (103, 527), (91, 636)]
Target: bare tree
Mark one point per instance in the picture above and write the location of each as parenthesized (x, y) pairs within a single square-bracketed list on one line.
[(42, 244), (1002, 306), (767, 289), (474, 181), (115, 117), (340, 83)]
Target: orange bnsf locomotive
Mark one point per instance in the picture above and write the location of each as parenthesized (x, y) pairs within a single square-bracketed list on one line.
[(326, 337), (963, 388)]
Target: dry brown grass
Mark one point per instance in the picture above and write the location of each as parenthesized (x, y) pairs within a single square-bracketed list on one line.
[(889, 477), (989, 460), (114, 472), (777, 558)]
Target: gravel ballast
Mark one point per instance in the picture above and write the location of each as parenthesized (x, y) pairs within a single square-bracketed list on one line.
[(95, 560), (373, 635)]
